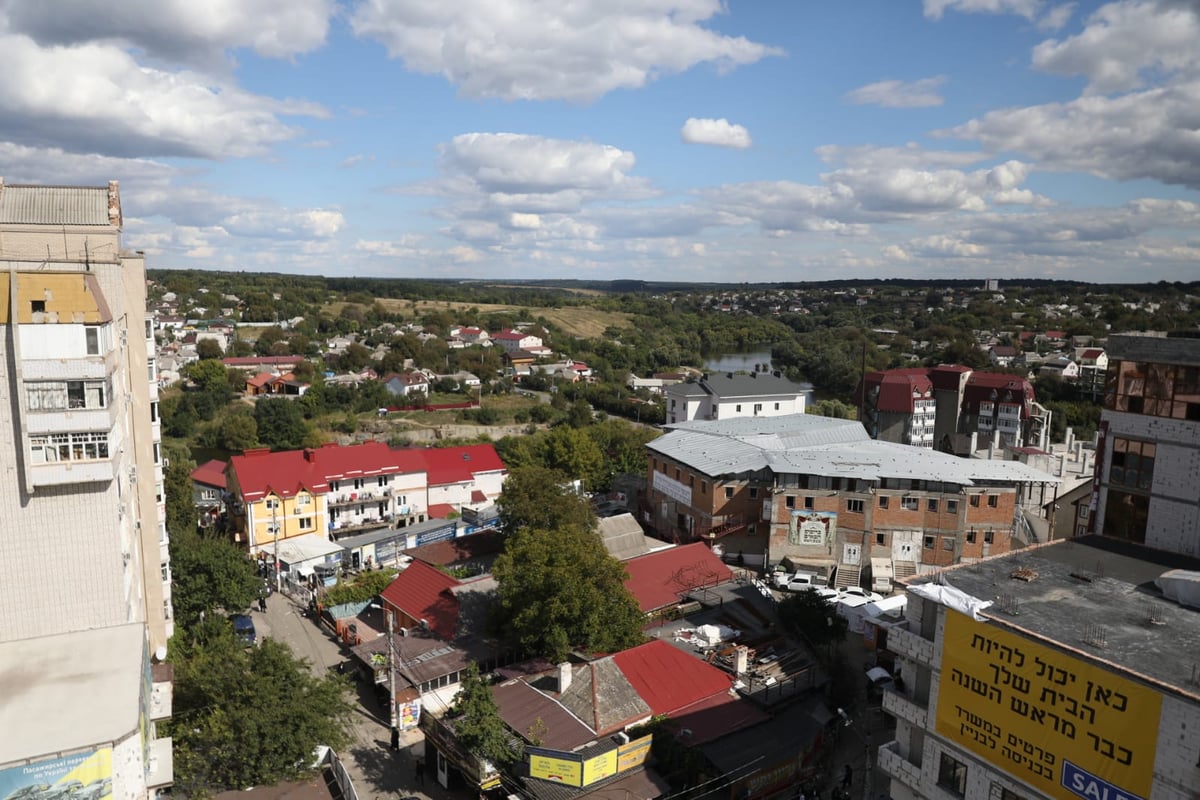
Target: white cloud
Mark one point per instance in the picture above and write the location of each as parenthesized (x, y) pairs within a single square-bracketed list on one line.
[(1143, 134), (911, 155), (719, 132), (176, 31), (1056, 17), (529, 50), (934, 9), (920, 93), (1123, 40), (96, 98)]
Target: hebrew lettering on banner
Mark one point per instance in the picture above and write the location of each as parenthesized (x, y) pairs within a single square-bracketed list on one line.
[(1050, 719)]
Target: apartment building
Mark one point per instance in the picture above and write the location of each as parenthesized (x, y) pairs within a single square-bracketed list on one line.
[(83, 533), (1148, 455), (823, 495), (1063, 671), (334, 491), (733, 394), (953, 409)]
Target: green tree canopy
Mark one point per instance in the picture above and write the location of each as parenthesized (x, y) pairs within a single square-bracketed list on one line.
[(247, 716), (209, 575), (559, 589), (476, 719), (809, 616), (280, 424), (238, 432), (209, 349), (537, 497)]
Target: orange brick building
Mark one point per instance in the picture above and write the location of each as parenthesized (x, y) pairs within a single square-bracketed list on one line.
[(822, 494)]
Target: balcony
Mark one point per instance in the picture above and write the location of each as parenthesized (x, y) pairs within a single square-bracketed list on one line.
[(344, 498), (61, 473), (76, 419), (909, 645), (901, 706), (896, 766)]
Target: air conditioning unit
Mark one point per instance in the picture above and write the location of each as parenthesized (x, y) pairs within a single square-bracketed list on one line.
[(166, 462)]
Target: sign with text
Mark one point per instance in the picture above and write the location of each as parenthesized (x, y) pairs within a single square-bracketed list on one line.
[(554, 765), (1049, 719), (812, 527), (83, 774), (633, 754), (601, 767)]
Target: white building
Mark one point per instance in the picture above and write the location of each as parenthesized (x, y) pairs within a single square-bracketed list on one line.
[(727, 395), (85, 602)]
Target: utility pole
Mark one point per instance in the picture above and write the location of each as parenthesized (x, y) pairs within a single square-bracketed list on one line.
[(275, 545), (391, 667)]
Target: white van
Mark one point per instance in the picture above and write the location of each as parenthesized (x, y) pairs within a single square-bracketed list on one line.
[(801, 581)]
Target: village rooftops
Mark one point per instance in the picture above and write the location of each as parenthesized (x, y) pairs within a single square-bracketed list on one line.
[(1069, 591)]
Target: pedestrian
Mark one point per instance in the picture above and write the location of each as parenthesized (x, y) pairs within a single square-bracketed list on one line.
[(395, 738), (847, 776), (262, 604)]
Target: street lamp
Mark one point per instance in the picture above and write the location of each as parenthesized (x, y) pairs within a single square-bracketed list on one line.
[(867, 767), (391, 663)]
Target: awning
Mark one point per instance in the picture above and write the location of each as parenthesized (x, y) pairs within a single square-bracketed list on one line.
[(301, 549)]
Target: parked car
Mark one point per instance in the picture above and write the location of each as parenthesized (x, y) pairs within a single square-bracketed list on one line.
[(858, 591), (243, 629), (879, 680), (830, 596), (799, 581)]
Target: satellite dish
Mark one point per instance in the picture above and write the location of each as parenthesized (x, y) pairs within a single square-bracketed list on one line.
[(160, 653)]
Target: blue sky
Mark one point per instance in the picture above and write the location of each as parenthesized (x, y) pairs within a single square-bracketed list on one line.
[(686, 140)]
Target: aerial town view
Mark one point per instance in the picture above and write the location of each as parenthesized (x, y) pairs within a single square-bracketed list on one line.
[(598, 400)]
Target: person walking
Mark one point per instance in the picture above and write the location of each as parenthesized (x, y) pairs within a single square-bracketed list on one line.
[(395, 738)]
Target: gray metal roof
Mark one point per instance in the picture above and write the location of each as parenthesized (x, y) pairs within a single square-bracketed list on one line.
[(806, 444), (54, 205), (740, 384)]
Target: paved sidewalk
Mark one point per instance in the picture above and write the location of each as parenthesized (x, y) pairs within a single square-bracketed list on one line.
[(377, 772)]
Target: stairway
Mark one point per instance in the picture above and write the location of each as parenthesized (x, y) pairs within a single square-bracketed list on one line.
[(848, 575), (904, 569)]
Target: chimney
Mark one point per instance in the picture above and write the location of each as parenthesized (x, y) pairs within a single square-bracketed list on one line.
[(308, 454), (741, 659), (114, 204), (564, 676)]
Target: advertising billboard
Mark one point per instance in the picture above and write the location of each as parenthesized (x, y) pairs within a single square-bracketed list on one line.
[(601, 767), (1070, 729), (812, 527), (556, 766), (633, 754), (84, 776)]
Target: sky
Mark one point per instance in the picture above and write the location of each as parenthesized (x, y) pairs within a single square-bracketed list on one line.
[(662, 140)]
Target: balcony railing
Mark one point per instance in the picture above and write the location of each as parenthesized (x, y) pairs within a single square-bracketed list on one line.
[(359, 496), (909, 645), (897, 766), (900, 705)]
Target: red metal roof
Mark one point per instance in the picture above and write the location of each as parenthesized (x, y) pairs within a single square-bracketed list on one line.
[(1092, 353), (423, 592), (260, 472), (669, 679), (510, 335), (659, 579), (459, 464), (897, 387), (210, 473), (441, 510)]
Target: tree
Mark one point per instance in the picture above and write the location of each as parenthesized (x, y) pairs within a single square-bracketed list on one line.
[(559, 589), (280, 424), (177, 483), (247, 716), (572, 451), (476, 719), (209, 575), (537, 497), (811, 617), (238, 432), (209, 375), (207, 349)]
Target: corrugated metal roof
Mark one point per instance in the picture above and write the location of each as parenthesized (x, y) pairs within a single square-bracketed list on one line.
[(806, 444), (54, 205)]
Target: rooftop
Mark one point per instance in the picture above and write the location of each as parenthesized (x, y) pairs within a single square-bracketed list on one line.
[(54, 205), (71, 691), (1094, 581)]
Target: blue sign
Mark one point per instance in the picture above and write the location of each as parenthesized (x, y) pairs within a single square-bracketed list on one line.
[(1088, 786), (441, 534)]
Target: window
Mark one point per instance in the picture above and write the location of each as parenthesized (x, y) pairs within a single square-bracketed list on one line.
[(928, 542), (881, 539), (777, 406), (854, 506), (208, 494), (37, 306), (757, 407), (273, 529), (987, 537), (149, 329), (753, 492), (154, 411), (703, 487), (970, 537), (951, 506), (151, 370), (157, 453), (932, 505), (952, 775), (91, 336), (55, 447), (790, 501), (306, 523), (883, 501), (382, 480), (1132, 464), (1006, 794), (1083, 512), (808, 503), (303, 500), (728, 492), (272, 503), (993, 501), (677, 473), (66, 395), (948, 545), (908, 503), (165, 569), (974, 501)]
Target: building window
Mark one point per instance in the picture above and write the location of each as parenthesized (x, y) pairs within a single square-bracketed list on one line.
[(728, 492), (952, 775), (753, 492), (880, 539), (1083, 512), (932, 505), (677, 473), (928, 542), (149, 329), (970, 537), (154, 411), (738, 408), (987, 537), (306, 523), (974, 501), (165, 569), (993, 501), (157, 453), (66, 396), (703, 487), (91, 336), (854, 506), (303, 500), (948, 545), (908, 503), (757, 407), (777, 406), (55, 447), (272, 503), (883, 501), (951, 506), (790, 501), (1132, 464), (808, 503), (1006, 794)]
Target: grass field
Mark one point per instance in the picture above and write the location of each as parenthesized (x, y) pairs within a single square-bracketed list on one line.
[(588, 323)]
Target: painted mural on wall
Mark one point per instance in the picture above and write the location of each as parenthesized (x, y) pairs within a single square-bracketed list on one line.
[(83, 776)]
